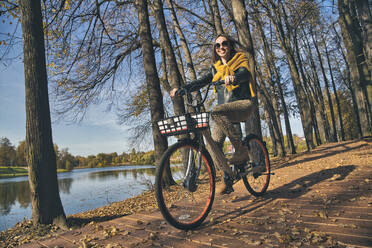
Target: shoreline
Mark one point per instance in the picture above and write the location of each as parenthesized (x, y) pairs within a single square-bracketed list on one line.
[(24, 171)]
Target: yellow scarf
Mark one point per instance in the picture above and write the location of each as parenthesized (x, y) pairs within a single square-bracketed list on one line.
[(239, 60)]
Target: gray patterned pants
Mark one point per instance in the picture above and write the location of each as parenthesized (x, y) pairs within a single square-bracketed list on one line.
[(224, 116)]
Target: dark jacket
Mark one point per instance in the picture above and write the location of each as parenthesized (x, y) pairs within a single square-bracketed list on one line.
[(242, 78)]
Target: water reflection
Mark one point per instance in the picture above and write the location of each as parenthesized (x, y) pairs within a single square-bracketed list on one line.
[(80, 190), (11, 193), (65, 185), (19, 192)]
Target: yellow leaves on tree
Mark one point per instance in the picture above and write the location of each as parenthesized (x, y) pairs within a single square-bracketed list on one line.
[(67, 4)]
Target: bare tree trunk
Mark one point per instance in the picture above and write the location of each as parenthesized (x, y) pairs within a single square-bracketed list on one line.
[(364, 12), (270, 112), (152, 78), (326, 86), (174, 74), (304, 108), (177, 51), (253, 125), (351, 32), (185, 47), (271, 131), (270, 67), (288, 130), (164, 79), (315, 124), (302, 100), (311, 95), (41, 159), (317, 91), (271, 61), (342, 132), (216, 17), (348, 82)]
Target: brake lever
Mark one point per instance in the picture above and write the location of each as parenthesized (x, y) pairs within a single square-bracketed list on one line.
[(219, 82)]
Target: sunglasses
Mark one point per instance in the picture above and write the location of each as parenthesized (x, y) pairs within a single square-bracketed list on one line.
[(223, 44)]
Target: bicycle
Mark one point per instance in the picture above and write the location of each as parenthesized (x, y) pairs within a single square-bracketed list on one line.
[(185, 178)]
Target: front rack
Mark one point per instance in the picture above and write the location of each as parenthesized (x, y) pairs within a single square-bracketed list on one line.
[(184, 123)]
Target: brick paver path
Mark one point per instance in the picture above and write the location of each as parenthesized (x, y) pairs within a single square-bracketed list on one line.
[(322, 199)]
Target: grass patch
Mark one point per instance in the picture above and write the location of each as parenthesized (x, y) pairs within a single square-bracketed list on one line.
[(18, 171), (12, 171)]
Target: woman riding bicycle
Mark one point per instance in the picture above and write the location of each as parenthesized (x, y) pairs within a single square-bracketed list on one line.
[(234, 102)]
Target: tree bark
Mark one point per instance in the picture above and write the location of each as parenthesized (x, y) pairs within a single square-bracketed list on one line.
[(152, 78), (316, 89), (270, 112), (364, 12), (174, 74), (351, 32), (347, 81), (337, 100), (216, 17), (326, 86), (273, 80), (41, 159), (304, 108), (253, 125), (271, 132), (185, 47)]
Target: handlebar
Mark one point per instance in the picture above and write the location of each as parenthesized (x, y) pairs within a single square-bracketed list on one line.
[(194, 102)]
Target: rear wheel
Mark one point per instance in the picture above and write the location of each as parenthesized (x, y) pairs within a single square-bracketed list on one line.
[(257, 181), (185, 185)]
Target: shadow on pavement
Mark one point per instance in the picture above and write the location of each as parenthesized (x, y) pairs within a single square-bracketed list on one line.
[(301, 185), (291, 190), (75, 221), (317, 154)]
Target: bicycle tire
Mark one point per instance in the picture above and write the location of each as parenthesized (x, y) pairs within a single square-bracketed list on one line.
[(182, 207), (257, 183)]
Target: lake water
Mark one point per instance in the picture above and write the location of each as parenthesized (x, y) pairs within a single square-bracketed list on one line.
[(80, 190)]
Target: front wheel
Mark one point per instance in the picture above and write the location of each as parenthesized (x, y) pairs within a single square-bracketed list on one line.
[(258, 180), (185, 185)]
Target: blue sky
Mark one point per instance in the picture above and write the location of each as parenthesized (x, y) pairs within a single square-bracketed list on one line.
[(98, 132)]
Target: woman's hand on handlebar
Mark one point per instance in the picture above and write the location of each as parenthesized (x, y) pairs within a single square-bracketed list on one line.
[(177, 92), (173, 92), (229, 80)]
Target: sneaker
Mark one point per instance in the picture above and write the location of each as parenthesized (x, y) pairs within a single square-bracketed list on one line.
[(240, 157), (227, 186)]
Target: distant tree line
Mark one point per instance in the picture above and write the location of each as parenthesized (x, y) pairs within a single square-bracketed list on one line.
[(11, 155)]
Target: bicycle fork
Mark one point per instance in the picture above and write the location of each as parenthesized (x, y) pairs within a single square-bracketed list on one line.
[(193, 171)]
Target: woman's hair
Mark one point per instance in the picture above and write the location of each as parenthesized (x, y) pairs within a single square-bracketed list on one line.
[(233, 45)]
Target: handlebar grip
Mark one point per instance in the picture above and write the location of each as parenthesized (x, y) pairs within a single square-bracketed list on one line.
[(219, 82), (180, 92)]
